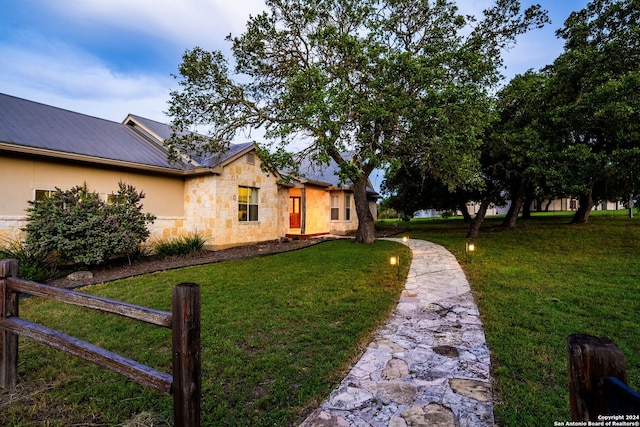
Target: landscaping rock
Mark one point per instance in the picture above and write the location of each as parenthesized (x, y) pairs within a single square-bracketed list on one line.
[(470, 388), (396, 368), (80, 275)]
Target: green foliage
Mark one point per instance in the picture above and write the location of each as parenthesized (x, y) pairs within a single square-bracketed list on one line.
[(594, 101), (388, 80), (184, 245), (30, 266), (76, 226)]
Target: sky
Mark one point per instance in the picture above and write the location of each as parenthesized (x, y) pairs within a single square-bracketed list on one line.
[(109, 58)]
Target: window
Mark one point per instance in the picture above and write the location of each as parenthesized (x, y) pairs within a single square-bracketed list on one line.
[(251, 160), (247, 204), (335, 209), (347, 207), (114, 199), (43, 194)]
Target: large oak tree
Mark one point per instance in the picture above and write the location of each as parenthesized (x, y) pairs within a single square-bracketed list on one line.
[(595, 92), (386, 79)]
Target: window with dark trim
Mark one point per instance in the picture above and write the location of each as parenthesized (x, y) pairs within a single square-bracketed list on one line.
[(347, 207), (247, 204), (43, 194), (335, 208)]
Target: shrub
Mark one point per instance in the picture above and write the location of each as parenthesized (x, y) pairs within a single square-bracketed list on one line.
[(77, 226), (183, 245)]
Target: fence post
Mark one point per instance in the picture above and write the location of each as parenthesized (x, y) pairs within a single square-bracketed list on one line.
[(187, 382), (8, 340), (591, 360)]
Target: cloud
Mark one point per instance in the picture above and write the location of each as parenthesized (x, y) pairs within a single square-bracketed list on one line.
[(57, 74), (190, 22)]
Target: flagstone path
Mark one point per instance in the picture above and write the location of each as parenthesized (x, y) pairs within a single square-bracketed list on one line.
[(428, 365)]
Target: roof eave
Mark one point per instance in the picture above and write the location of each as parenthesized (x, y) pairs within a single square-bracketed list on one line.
[(52, 154)]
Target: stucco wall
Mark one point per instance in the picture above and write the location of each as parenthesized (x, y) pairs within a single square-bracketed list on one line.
[(342, 225), (20, 177), (317, 210)]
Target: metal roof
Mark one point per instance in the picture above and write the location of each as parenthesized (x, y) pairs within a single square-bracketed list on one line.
[(62, 133), (328, 174), (164, 132), (31, 124)]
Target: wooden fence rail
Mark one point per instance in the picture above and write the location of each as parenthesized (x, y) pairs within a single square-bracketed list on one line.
[(184, 321), (597, 380)]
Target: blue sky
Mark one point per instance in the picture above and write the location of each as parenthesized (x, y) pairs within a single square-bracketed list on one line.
[(108, 58)]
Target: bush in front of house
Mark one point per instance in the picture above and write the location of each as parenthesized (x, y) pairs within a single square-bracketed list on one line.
[(77, 226), (183, 245)]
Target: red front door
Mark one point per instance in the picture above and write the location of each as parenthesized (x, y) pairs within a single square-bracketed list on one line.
[(294, 212)]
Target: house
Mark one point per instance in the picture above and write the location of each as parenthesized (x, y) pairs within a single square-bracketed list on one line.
[(226, 198)]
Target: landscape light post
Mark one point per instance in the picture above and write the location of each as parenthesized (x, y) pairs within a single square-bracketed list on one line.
[(395, 261), (470, 247)]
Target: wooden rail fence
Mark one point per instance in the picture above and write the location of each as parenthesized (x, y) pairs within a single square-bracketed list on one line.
[(184, 321), (597, 381)]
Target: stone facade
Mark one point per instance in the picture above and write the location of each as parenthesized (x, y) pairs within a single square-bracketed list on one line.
[(211, 205), (11, 228)]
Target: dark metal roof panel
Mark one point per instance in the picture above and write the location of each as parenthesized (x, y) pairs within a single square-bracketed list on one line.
[(31, 124), (328, 174), (164, 131), (220, 158)]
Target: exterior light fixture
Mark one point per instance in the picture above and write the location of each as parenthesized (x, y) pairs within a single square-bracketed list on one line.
[(395, 261), (405, 239), (470, 247)]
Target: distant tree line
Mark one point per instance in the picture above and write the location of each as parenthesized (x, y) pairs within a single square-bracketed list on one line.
[(569, 129)]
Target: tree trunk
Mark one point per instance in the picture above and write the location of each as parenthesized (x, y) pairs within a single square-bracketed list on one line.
[(584, 209), (630, 205), (464, 209), (366, 232), (516, 204), (474, 229)]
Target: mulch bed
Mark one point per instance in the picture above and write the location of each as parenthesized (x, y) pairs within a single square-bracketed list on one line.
[(120, 269)]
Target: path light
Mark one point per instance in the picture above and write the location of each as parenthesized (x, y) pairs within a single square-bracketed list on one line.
[(405, 239), (395, 261), (470, 247)]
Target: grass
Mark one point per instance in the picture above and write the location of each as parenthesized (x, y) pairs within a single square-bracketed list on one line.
[(540, 283), (278, 333)]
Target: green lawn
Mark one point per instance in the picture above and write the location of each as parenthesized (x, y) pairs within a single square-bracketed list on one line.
[(278, 333), (540, 283)]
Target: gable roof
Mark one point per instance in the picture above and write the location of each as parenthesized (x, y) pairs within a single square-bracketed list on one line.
[(327, 175), (161, 132), (38, 129)]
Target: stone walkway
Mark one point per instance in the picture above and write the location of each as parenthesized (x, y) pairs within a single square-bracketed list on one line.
[(428, 366)]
